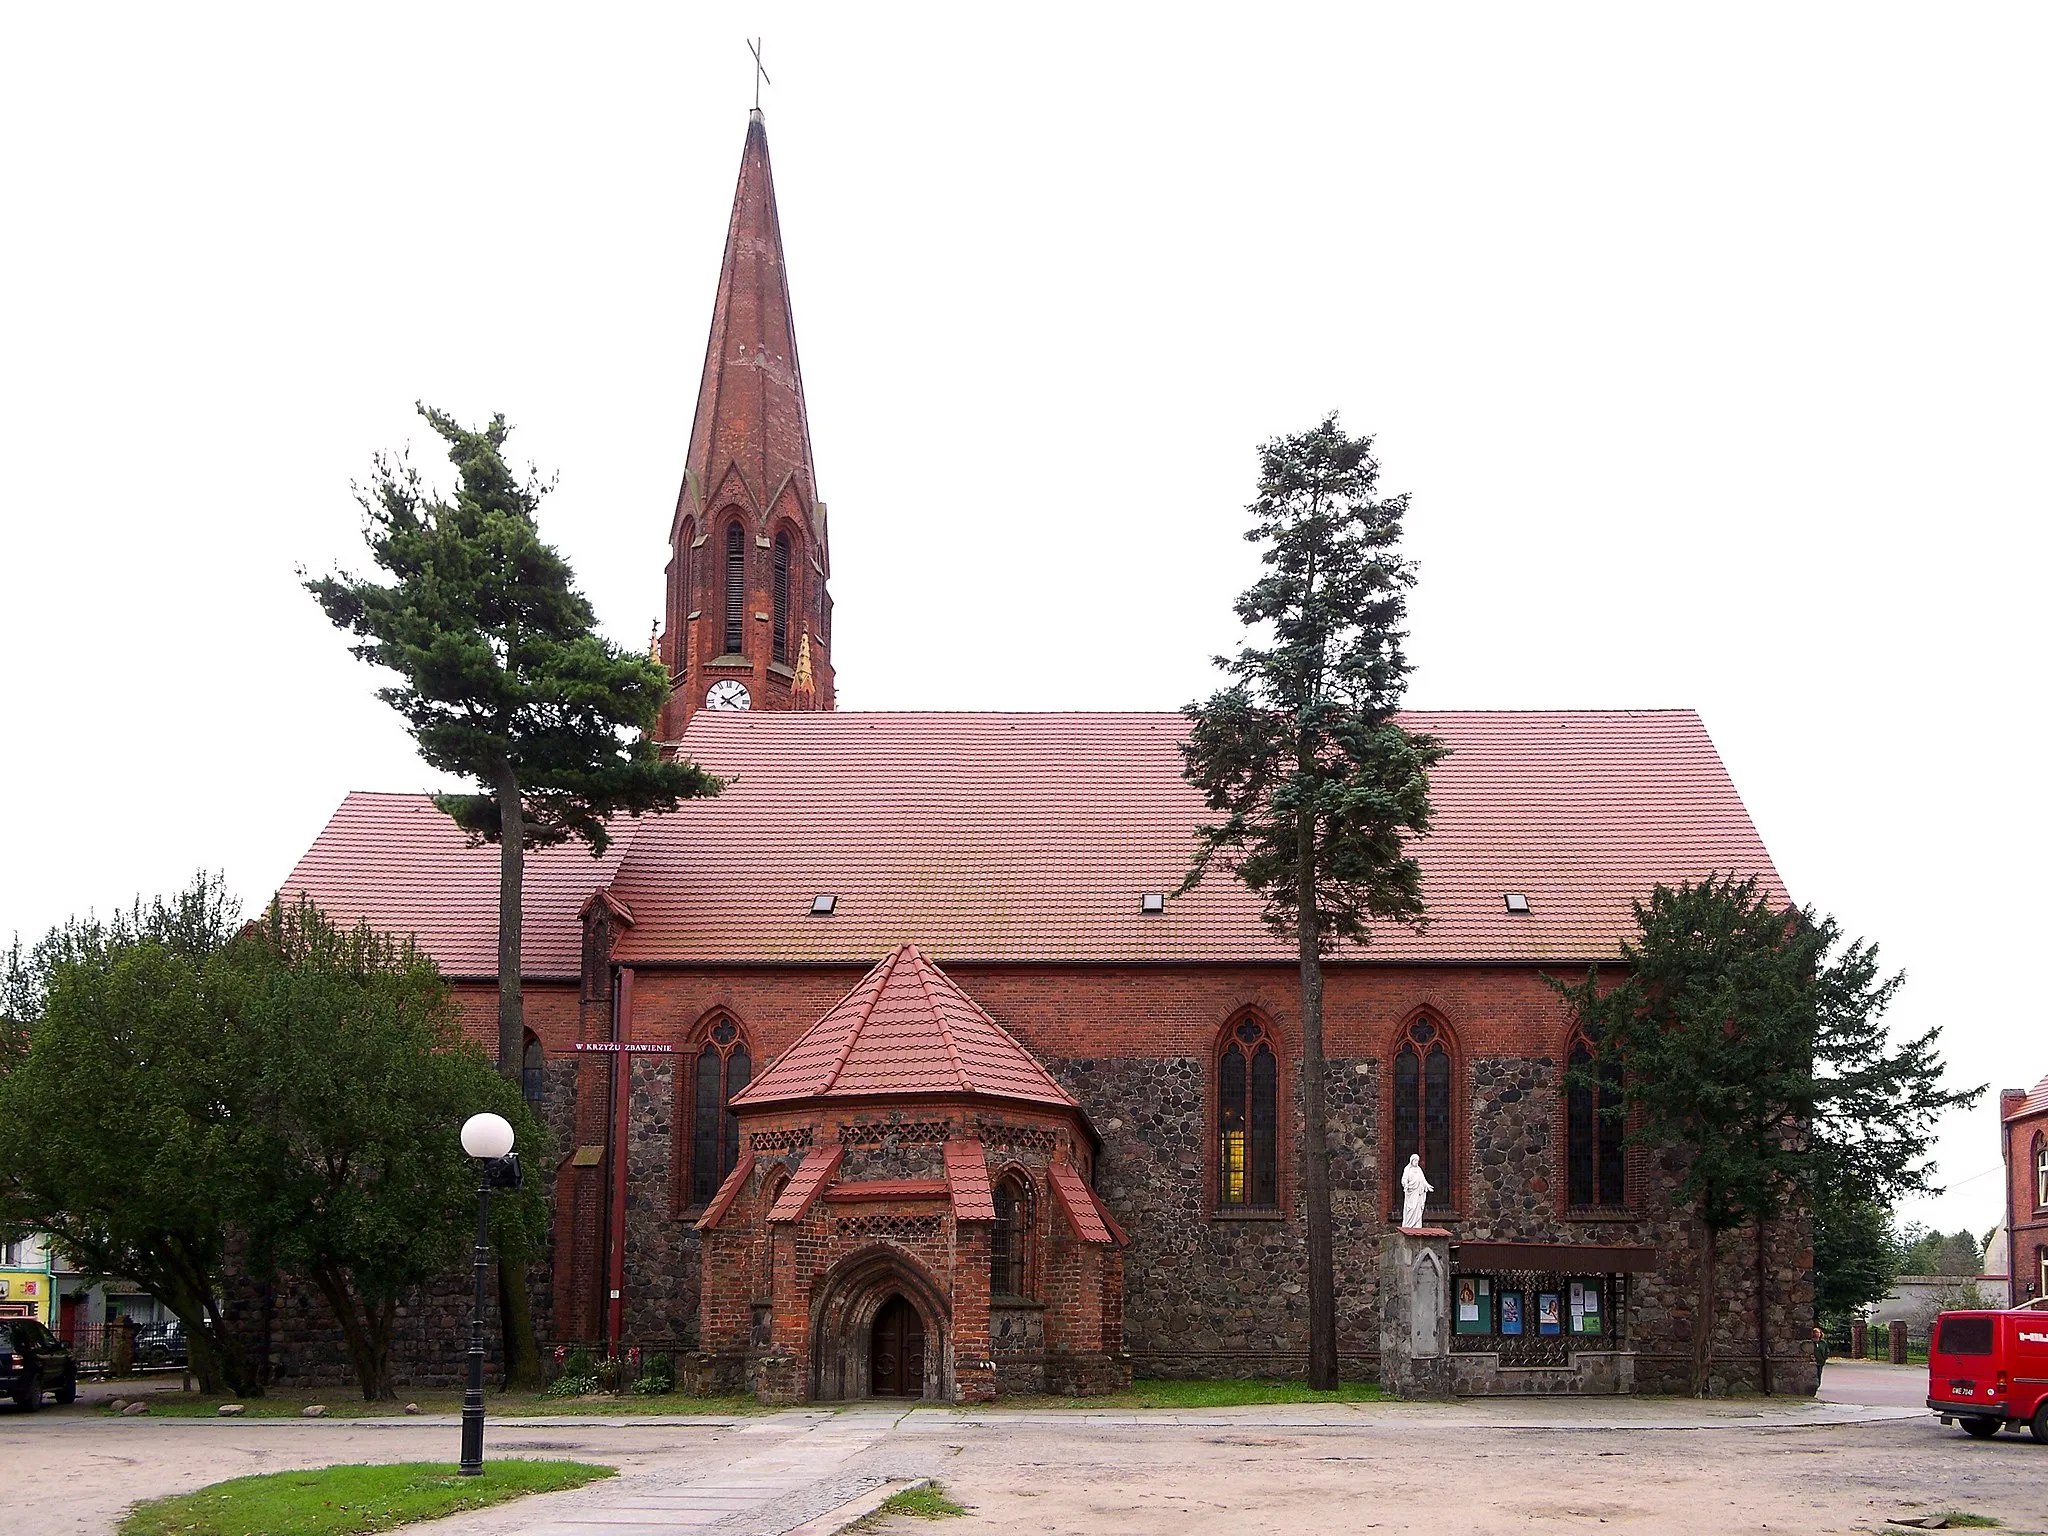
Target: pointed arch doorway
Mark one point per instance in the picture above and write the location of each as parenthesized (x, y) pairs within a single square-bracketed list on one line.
[(896, 1350)]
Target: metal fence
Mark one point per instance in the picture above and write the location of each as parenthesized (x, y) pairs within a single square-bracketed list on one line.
[(1902, 1343)]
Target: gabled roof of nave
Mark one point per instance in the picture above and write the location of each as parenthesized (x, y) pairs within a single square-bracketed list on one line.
[(1031, 837), (750, 402)]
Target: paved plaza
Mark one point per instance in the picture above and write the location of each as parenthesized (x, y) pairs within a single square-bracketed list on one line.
[(1497, 1466)]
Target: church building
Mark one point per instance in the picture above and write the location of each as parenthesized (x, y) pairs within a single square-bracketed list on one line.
[(903, 1068)]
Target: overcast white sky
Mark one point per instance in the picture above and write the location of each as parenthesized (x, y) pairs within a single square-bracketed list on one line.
[(1709, 341)]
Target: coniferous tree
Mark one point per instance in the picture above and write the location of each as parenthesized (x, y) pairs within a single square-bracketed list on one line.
[(505, 681), (1753, 1047), (1318, 785)]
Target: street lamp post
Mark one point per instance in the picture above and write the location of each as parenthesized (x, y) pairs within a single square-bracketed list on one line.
[(487, 1138)]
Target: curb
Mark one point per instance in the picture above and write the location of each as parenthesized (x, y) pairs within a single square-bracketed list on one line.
[(833, 1521)]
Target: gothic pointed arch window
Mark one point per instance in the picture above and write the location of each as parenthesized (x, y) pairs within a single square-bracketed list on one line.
[(1422, 1108), (2040, 1172), (781, 598), (532, 1073), (1248, 1119), (720, 1067), (1009, 1251), (1593, 1131), (735, 589)]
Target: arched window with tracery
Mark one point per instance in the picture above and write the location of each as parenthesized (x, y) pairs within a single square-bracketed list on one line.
[(780, 595), (1009, 1246), (735, 589), (532, 1076), (722, 1068), (1422, 1108), (1592, 1132), (1248, 1119), (2040, 1171)]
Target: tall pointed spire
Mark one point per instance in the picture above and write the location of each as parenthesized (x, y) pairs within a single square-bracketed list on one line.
[(749, 560)]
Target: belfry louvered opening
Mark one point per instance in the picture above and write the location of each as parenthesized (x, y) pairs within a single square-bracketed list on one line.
[(735, 589), (782, 597)]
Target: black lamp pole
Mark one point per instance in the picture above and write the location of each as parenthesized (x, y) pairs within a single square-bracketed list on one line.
[(473, 1394), (489, 1139)]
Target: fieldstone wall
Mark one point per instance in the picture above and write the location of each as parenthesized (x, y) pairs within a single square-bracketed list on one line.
[(1207, 1294), (663, 1252)]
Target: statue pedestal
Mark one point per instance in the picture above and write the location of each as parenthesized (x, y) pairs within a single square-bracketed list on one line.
[(1415, 1312)]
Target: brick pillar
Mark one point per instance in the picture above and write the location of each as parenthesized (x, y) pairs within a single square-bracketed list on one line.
[(1859, 1341), (1898, 1332)]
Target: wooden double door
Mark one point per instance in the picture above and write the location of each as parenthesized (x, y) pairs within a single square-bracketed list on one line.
[(896, 1355)]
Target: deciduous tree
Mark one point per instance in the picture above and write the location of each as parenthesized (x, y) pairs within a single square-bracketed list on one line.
[(1318, 786), (359, 1079), (124, 1120)]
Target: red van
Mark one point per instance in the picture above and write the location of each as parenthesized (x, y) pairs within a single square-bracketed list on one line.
[(1990, 1369)]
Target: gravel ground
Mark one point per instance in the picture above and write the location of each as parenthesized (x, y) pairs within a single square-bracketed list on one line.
[(1656, 1465)]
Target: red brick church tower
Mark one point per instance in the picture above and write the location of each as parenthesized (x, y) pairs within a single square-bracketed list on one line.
[(749, 619)]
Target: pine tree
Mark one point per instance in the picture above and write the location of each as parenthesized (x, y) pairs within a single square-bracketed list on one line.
[(1754, 1049), (505, 681), (1318, 785)]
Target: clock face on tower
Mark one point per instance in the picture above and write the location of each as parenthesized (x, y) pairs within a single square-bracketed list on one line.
[(728, 693)]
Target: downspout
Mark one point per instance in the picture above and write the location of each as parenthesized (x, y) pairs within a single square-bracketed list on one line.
[(622, 1119)]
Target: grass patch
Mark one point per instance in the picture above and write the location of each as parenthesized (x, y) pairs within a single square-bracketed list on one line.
[(1962, 1517), (348, 1500), (927, 1503), (1206, 1394), (342, 1404)]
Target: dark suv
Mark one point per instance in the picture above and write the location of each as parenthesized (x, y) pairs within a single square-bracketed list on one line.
[(162, 1344), (33, 1361)]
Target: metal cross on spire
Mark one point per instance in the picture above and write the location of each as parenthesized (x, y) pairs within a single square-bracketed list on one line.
[(760, 74)]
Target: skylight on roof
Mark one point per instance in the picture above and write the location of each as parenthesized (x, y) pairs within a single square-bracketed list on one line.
[(1152, 903), (823, 906), (1517, 902)]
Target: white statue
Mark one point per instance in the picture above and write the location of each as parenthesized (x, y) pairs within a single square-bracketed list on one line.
[(1415, 1191)]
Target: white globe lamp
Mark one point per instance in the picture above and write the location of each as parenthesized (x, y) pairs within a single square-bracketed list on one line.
[(486, 1136)]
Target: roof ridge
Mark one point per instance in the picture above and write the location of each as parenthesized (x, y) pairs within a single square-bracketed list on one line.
[(888, 969), (939, 1016)]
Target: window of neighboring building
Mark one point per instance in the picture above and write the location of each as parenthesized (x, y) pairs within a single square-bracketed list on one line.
[(1009, 1268), (2041, 1171), (781, 597), (735, 590), (1248, 1119), (531, 1077), (723, 1068), (1593, 1134), (1422, 1108)]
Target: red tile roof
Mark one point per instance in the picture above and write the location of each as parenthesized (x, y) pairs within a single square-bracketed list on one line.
[(1017, 837), (2035, 1102), (905, 1029), (1022, 837), (811, 1176), (728, 1192), (399, 862), (1091, 1223), (967, 1172)]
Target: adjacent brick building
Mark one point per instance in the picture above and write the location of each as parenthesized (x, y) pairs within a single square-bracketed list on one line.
[(1067, 1148), (2023, 1122)]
